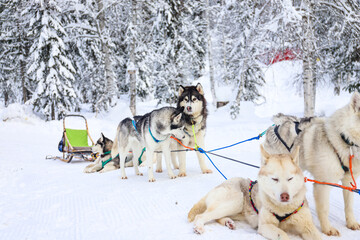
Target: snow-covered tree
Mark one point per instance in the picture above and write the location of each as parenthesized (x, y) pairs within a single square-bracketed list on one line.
[(180, 31), (49, 66), (14, 46), (243, 20)]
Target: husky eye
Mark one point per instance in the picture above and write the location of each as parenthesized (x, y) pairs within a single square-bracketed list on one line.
[(186, 99), (194, 99), (275, 179), (290, 179)]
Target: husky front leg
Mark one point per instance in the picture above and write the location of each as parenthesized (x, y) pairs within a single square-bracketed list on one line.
[(201, 142), (108, 167), (272, 232), (122, 156), (158, 159), (322, 198), (149, 156), (167, 156), (182, 164), (348, 203)]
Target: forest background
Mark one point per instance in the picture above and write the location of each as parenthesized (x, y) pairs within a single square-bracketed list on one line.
[(61, 56)]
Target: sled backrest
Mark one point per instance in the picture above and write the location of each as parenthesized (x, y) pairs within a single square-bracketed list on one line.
[(77, 137)]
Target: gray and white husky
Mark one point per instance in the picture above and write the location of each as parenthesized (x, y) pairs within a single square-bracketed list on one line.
[(151, 131), (103, 147), (195, 113)]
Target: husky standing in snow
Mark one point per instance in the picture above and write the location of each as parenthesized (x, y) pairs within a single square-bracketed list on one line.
[(195, 114), (103, 148), (275, 203), (325, 149), (152, 131)]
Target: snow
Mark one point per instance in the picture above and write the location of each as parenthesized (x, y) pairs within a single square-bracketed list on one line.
[(50, 199)]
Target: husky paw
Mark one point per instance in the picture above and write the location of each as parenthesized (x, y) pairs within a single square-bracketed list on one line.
[(172, 176), (331, 232), (152, 180), (182, 174), (206, 171), (230, 224), (198, 230), (139, 174), (159, 170), (353, 226), (124, 177)]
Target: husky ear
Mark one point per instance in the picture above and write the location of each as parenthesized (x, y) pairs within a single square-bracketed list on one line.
[(355, 101), (102, 137), (181, 90), (199, 88), (264, 155), (177, 118), (295, 156)]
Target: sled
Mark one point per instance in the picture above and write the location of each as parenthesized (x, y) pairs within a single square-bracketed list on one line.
[(74, 142)]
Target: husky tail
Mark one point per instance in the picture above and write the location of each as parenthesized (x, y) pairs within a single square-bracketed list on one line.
[(197, 209)]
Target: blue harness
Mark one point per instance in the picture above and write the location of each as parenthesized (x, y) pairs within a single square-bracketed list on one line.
[(156, 140)]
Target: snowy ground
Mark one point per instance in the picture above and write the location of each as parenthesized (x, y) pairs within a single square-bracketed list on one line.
[(50, 199)]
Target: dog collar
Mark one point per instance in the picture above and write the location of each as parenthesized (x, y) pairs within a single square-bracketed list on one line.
[(134, 124), (283, 218), (156, 140), (105, 153), (276, 131), (252, 183)]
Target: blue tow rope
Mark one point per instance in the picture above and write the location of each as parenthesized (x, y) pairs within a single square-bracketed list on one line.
[(202, 151)]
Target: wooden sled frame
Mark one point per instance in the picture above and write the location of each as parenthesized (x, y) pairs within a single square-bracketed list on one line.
[(69, 151)]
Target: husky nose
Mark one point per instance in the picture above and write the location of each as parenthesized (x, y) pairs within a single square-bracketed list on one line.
[(284, 197), (188, 108)]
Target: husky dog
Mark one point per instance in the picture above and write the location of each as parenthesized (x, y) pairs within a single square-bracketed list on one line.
[(195, 113), (280, 138), (103, 147), (275, 203), (325, 148), (152, 131)]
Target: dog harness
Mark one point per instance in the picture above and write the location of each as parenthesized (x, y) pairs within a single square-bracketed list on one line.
[(283, 218), (347, 141), (279, 218), (276, 131), (103, 163), (252, 183)]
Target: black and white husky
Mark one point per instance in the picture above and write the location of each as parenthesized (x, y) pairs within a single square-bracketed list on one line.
[(151, 131), (103, 163), (195, 113)]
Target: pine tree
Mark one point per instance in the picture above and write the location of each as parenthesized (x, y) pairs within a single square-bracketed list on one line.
[(181, 37), (50, 68), (244, 27), (14, 47)]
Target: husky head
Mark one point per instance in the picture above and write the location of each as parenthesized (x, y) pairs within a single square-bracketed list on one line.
[(280, 177), (171, 126), (102, 145), (193, 100)]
